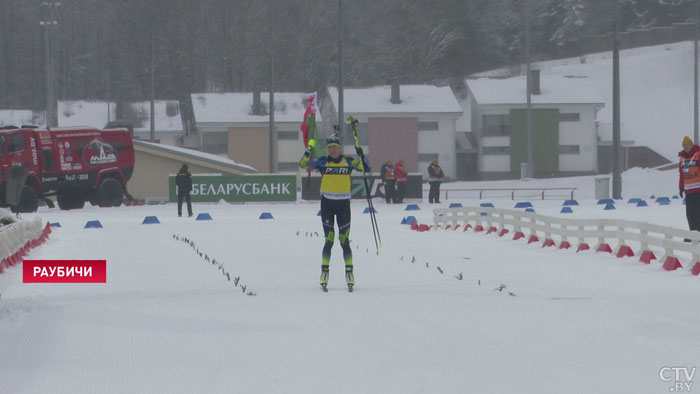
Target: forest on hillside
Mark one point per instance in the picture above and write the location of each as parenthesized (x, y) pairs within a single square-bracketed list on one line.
[(103, 49)]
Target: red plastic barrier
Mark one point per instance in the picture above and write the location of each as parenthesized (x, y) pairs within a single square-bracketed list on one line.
[(503, 232), (625, 251), (533, 238), (564, 245), (672, 264), (518, 235), (647, 256), (604, 248), (582, 246), (696, 269), (548, 242)]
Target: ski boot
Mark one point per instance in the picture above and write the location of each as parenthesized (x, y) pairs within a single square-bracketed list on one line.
[(324, 278), (349, 277)]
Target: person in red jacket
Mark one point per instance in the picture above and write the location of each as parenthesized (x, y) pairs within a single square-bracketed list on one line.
[(689, 183), (401, 180)]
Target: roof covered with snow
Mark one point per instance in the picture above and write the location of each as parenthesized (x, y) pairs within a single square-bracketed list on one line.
[(98, 113), (18, 117), (414, 99), (554, 90), (195, 154), (238, 107)]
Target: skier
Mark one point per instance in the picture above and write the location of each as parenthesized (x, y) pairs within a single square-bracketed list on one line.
[(434, 179), (689, 182), (401, 180), (335, 169), (389, 181), (183, 180)]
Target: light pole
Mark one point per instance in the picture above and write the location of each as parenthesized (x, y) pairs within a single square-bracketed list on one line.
[(528, 111), (153, 74), (272, 90), (695, 72), (47, 22), (341, 110), (617, 176)]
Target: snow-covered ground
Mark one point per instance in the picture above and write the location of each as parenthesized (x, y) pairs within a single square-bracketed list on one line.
[(169, 322)]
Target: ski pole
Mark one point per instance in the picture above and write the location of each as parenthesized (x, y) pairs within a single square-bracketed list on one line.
[(375, 228)]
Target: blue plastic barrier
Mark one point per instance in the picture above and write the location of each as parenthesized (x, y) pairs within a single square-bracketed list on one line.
[(266, 215), (93, 224), (150, 220), (204, 216)]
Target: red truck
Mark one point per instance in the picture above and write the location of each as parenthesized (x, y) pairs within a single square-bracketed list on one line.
[(74, 164)]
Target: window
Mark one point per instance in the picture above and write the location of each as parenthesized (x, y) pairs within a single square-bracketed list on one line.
[(215, 142), (495, 150), (2, 145), (569, 149), (362, 133), (569, 117), (288, 166), (496, 125), (425, 126), (16, 143), (426, 157), (47, 160), (287, 135)]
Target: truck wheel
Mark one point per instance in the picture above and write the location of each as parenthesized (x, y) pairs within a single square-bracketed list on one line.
[(70, 199), (109, 193), (28, 201)]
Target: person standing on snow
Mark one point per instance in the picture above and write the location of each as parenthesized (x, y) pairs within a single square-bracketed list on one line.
[(434, 179), (389, 181), (401, 180), (183, 180), (335, 169), (689, 182)]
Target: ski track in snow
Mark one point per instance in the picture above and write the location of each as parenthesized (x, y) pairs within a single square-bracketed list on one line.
[(169, 322)]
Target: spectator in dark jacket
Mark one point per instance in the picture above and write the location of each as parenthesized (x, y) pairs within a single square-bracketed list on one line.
[(389, 181), (183, 181), (689, 182), (434, 179), (401, 180)]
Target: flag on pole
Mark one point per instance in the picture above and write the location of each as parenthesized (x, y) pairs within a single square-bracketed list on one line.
[(308, 128)]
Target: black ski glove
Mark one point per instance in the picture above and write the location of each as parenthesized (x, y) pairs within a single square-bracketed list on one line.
[(680, 192)]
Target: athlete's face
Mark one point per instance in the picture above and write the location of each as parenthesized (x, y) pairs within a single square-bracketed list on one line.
[(334, 151), (687, 147)]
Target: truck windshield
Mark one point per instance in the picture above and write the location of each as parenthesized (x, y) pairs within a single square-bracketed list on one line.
[(16, 143)]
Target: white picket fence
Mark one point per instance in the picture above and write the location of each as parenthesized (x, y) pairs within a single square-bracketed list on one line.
[(534, 226), (16, 239)]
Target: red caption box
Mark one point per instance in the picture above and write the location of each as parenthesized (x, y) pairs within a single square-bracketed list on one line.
[(64, 271)]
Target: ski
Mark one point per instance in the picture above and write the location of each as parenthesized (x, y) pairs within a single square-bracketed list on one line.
[(324, 287)]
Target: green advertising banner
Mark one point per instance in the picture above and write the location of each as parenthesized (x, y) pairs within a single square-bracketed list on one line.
[(239, 188)]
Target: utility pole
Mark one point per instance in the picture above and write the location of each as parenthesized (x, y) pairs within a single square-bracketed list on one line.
[(341, 110), (530, 160), (153, 74), (272, 90), (617, 176), (49, 21)]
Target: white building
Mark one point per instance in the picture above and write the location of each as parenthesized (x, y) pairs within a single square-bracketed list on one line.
[(565, 135), (411, 122), (229, 124)]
